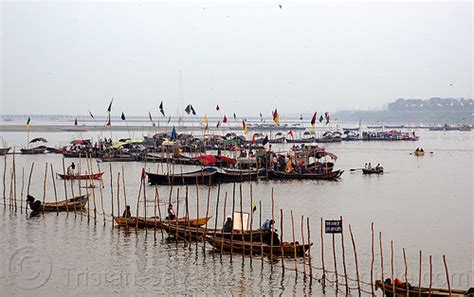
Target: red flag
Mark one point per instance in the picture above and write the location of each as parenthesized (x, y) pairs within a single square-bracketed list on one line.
[(109, 121), (224, 120), (313, 119), (217, 108), (291, 134), (253, 138)]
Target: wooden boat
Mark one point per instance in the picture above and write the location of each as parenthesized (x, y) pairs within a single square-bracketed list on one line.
[(237, 175), (82, 176), (77, 203), (293, 175), (419, 153), (195, 233), (203, 176), (155, 222), (419, 291), (33, 151), (237, 246), (121, 158), (372, 171), (4, 151)]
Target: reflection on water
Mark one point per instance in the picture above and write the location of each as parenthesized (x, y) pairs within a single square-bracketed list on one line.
[(419, 203)]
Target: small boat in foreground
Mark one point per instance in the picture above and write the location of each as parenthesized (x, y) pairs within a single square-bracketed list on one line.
[(33, 151), (236, 246), (73, 204), (82, 177), (399, 291)]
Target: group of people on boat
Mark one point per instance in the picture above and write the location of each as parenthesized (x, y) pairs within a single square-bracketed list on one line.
[(369, 166), (267, 226), (418, 149)]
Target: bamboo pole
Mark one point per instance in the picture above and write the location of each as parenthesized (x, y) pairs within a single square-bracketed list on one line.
[(242, 221), (272, 228), (197, 206), (281, 242), (65, 188), (406, 271), (251, 223), (447, 274), (118, 194), (124, 195), (159, 210), (93, 194), (44, 182), (188, 222), (177, 214), (392, 269), (142, 181), (14, 180), (225, 218), (335, 261), (356, 260), (372, 259), (232, 230), (54, 187), (217, 213), (207, 215), (431, 275), (101, 193), (310, 260), (29, 183), (303, 242), (381, 261), (260, 222), (22, 188), (322, 256), (4, 180), (344, 258), (294, 241), (112, 194), (419, 274)]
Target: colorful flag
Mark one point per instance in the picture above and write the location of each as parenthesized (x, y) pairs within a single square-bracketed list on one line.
[(253, 138), (244, 126), (75, 122), (109, 121), (276, 118), (28, 122), (122, 116), (162, 109), (254, 207), (321, 118), (92, 116), (224, 120), (217, 108), (206, 126), (291, 134), (313, 119), (190, 109), (326, 115), (205, 120), (109, 109)]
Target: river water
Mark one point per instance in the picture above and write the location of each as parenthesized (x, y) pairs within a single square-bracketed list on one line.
[(420, 203)]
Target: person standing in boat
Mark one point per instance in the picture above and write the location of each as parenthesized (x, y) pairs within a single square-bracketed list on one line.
[(268, 226), (171, 214), (127, 213), (71, 169), (229, 225)]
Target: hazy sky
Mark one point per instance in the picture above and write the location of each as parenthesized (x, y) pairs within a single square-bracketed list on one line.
[(248, 57)]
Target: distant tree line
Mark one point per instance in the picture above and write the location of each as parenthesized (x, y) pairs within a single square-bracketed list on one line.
[(434, 104)]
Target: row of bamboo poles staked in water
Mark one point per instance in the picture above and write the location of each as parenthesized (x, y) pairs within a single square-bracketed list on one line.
[(308, 267)]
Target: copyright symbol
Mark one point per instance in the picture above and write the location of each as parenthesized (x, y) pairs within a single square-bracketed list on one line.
[(29, 268)]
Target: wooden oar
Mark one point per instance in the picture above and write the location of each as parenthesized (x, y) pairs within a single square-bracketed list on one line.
[(354, 169)]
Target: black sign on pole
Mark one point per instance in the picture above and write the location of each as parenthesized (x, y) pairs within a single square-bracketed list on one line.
[(333, 226)]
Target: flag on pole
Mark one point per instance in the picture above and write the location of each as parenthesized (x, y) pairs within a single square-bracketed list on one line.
[(109, 121), (190, 109), (28, 122), (235, 117), (149, 115), (217, 107), (224, 120), (169, 119), (109, 109), (162, 109), (253, 138), (291, 134), (122, 116), (218, 124), (321, 118), (254, 207), (313, 119), (90, 113), (206, 126), (75, 122), (276, 117), (244, 126), (326, 115), (265, 140)]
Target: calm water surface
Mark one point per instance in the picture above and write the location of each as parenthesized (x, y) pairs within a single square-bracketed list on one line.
[(421, 203)]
